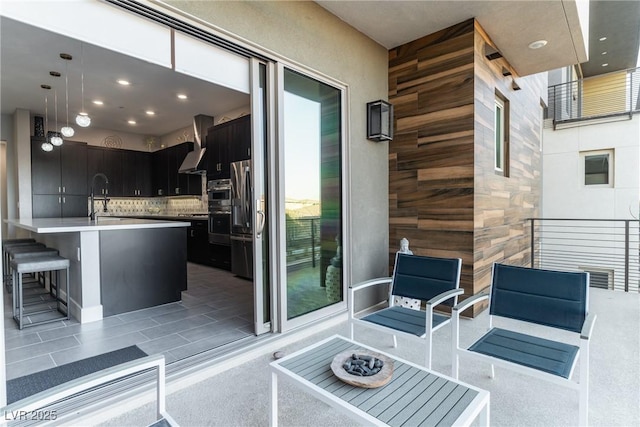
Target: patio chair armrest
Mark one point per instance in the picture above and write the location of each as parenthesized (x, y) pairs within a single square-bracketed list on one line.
[(371, 282), (587, 326), (469, 302), (444, 296)]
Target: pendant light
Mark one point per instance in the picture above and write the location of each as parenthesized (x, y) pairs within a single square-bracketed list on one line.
[(82, 119), (46, 145), (56, 140), (67, 131)]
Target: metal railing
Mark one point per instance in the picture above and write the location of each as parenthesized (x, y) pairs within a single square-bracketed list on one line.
[(303, 240), (38, 405), (608, 249), (607, 95)]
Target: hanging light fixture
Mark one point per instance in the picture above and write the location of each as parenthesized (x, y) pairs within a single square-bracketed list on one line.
[(46, 145), (56, 139), (82, 119), (67, 131)]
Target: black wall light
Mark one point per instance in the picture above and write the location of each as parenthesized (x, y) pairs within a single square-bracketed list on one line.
[(379, 121)]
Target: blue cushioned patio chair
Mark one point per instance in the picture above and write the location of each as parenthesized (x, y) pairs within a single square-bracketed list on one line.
[(554, 299), (432, 280)]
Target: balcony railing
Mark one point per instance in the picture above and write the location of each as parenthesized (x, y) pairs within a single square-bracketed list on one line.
[(303, 241), (605, 96), (608, 249)]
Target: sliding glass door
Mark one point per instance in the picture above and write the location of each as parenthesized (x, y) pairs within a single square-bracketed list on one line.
[(311, 186)]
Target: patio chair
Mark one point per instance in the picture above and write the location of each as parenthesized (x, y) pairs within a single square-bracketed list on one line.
[(432, 280), (554, 299)]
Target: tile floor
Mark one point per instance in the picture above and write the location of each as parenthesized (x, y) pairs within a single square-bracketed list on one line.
[(217, 309)]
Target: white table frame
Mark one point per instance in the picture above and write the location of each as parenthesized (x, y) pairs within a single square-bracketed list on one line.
[(477, 408)]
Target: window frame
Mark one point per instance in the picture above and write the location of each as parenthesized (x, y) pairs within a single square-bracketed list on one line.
[(610, 171), (501, 135)]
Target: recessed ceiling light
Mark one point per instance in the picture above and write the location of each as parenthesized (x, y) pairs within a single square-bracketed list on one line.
[(182, 96), (604, 53), (150, 113), (97, 102), (131, 122), (537, 44), (602, 39), (123, 82), (605, 64)]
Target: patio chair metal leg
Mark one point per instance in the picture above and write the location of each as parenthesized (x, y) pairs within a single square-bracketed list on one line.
[(583, 406), (493, 372), (395, 342), (273, 419)]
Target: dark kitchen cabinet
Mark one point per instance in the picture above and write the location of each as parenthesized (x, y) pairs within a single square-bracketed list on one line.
[(109, 162), (160, 172), (167, 181), (226, 143), (198, 242), (240, 139), (218, 152), (220, 256), (59, 180), (136, 173)]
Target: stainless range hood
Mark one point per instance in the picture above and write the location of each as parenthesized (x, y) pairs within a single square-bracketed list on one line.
[(193, 159)]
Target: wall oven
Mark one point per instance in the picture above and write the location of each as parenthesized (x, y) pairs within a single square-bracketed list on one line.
[(219, 201)]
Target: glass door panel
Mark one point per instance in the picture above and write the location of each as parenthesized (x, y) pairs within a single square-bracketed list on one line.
[(312, 136)]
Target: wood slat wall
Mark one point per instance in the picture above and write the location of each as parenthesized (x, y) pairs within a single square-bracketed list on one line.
[(443, 193)]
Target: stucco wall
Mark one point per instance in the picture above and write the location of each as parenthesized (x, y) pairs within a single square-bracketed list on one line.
[(305, 33), (564, 192)]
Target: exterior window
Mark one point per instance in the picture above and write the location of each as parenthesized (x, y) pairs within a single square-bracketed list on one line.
[(501, 136), (598, 168)]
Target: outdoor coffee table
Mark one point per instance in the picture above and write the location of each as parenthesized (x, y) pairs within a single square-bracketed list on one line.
[(415, 395)]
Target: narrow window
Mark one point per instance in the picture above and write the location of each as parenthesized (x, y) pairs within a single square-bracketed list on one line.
[(598, 168), (501, 136)]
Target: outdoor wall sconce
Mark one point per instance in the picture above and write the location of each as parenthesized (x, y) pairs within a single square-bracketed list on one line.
[(379, 121)]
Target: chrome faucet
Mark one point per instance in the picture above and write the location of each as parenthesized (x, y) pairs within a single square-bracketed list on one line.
[(92, 215)]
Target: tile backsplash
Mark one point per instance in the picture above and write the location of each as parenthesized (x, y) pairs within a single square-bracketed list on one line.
[(152, 206)]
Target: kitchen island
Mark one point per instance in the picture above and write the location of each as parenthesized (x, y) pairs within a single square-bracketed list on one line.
[(117, 265)]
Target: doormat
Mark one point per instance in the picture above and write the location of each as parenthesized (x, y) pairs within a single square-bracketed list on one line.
[(28, 385)]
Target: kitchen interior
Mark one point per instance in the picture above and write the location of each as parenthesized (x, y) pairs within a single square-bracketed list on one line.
[(160, 145)]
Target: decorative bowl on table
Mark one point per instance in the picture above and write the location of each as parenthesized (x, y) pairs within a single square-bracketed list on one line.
[(362, 368)]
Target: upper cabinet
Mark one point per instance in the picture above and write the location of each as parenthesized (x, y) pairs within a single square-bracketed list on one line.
[(109, 162), (226, 143), (166, 179)]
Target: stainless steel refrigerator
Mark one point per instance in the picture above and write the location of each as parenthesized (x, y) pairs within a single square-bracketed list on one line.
[(241, 219)]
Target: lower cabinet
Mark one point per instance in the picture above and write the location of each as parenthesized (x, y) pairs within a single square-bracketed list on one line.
[(200, 251), (198, 242), (220, 256)]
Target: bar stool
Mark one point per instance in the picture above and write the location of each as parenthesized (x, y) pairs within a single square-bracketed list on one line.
[(22, 252), (8, 250), (35, 265), (6, 243)]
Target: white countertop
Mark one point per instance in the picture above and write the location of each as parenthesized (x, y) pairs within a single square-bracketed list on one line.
[(69, 225)]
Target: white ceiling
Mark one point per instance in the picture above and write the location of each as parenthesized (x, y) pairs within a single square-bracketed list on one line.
[(512, 26), (29, 53)]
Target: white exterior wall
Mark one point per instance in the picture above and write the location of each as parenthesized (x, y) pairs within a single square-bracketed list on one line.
[(598, 246), (564, 194)]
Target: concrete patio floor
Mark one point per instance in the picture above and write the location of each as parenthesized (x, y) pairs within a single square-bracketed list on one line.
[(239, 396)]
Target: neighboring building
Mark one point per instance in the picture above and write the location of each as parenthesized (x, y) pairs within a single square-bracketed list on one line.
[(591, 171)]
